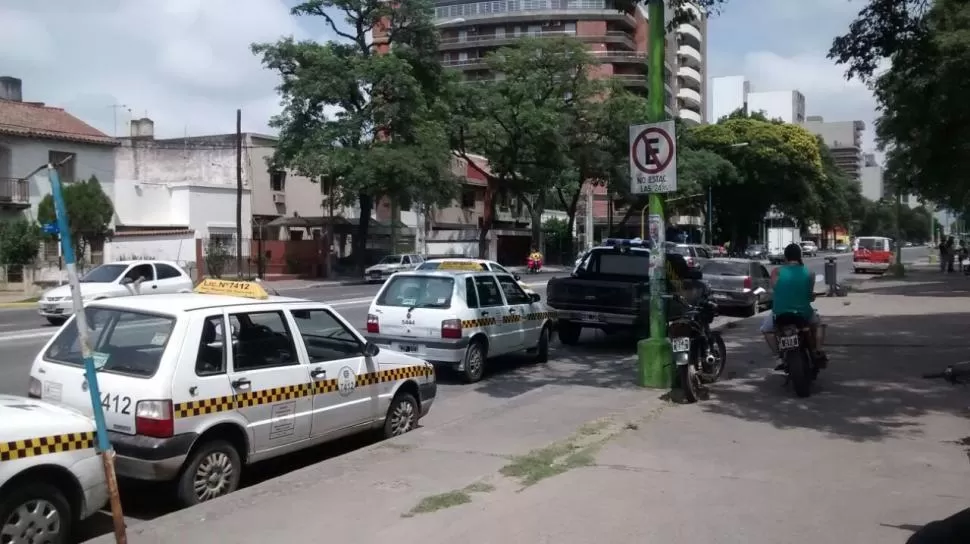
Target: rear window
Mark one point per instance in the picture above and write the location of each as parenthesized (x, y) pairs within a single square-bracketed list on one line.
[(625, 264), (124, 342), (721, 268), (873, 244), (680, 250), (418, 292)]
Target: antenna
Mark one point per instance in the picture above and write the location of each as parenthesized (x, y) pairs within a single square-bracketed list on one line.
[(114, 110)]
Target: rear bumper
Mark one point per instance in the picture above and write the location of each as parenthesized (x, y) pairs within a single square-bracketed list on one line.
[(434, 351), (864, 265), (596, 319), (149, 458), (733, 300)]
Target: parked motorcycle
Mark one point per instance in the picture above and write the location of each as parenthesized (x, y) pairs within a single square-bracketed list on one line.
[(795, 348), (699, 352), (534, 265)]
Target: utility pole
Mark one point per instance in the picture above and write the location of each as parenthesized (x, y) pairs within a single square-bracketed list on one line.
[(654, 354), (589, 216), (239, 193)]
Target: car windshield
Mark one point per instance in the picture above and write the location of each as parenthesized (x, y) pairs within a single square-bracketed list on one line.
[(453, 265), (105, 273), (418, 292), (876, 244), (725, 268), (125, 342), (391, 259)]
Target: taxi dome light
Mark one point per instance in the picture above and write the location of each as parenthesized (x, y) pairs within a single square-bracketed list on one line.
[(244, 289)]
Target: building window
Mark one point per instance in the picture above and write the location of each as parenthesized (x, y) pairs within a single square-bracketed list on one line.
[(52, 250), (65, 168), (467, 198), (277, 180)]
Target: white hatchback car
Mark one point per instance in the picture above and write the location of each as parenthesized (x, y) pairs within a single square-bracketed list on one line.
[(118, 279), (50, 475), (464, 263)]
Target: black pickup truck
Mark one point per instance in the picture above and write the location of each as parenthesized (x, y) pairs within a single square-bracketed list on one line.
[(609, 290)]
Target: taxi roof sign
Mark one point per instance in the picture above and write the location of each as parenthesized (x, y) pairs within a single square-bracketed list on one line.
[(461, 265), (245, 289)]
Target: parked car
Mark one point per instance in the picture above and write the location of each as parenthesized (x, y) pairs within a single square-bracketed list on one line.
[(738, 283), (809, 249), (757, 252), (694, 254), (843, 248), (391, 264), (118, 279)]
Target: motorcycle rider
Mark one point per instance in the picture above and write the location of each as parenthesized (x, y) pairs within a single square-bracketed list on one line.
[(794, 290)]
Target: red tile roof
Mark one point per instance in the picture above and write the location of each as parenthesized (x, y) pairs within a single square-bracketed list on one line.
[(34, 120)]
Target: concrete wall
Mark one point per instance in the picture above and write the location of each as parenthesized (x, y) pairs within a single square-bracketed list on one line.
[(789, 106), (303, 196), (728, 94), (168, 247)]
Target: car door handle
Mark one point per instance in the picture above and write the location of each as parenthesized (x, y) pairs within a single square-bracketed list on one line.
[(241, 383), (318, 373), (484, 314), (511, 310), (154, 287)]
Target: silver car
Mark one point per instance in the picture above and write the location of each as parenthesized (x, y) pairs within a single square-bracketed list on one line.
[(390, 265), (738, 283)]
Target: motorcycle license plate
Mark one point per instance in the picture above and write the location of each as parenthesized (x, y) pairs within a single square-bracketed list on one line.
[(681, 345), (788, 342)]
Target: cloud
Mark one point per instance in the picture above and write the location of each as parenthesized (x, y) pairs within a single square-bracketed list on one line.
[(184, 63)]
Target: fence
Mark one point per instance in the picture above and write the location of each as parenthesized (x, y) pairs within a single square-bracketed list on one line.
[(219, 257)]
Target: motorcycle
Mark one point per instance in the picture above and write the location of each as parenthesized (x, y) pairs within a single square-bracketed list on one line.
[(699, 352), (794, 348), (534, 265)]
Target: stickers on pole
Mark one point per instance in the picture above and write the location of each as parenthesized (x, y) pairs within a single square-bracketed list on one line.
[(657, 236), (653, 158)]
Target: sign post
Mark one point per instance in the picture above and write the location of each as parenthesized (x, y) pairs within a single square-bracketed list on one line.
[(90, 369), (653, 170)]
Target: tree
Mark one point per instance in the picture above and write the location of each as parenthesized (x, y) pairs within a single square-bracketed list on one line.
[(520, 123), (366, 111), (89, 213), (19, 241)]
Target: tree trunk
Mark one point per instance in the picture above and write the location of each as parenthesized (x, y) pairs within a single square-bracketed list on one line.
[(535, 213), (366, 203), (488, 218), (571, 208)]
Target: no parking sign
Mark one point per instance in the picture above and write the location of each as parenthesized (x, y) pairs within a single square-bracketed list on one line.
[(653, 158)]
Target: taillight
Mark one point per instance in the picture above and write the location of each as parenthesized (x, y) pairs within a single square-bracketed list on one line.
[(373, 325), (690, 261), (451, 328), (747, 282), (34, 388), (154, 418)]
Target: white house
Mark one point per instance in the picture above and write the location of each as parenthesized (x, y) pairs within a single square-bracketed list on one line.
[(33, 135), (170, 193)]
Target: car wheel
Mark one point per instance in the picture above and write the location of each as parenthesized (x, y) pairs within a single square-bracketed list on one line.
[(57, 321), (213, 471), (402, 415), (35, 512), (474, 362), (542, 347), (754, 308)]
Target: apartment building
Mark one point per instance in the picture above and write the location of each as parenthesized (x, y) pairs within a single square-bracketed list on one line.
[(844, 138), (732, 93), (871, 178), (471, 30)]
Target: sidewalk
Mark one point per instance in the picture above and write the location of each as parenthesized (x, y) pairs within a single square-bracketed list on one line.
[(872, 454)]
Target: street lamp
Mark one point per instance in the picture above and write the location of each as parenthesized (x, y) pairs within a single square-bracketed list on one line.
[(710, 198)]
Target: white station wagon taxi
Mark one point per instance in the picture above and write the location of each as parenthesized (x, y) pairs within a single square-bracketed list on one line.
[(459, 318), (50, 475), (195, 386)]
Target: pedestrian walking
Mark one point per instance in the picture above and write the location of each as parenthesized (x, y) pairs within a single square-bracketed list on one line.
[(950, 254)]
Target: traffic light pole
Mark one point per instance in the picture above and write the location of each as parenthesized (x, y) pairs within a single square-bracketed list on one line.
[(655, 357)]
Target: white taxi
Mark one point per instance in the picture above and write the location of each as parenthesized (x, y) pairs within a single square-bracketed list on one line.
[(473, 265), (196, 386), (50, 475), (459, 318)]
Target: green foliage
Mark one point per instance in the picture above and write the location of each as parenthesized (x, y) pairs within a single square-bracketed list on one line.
[(89, 213), (387, 136), (558, 237), (218, 255), (19, 241), (879, 219)]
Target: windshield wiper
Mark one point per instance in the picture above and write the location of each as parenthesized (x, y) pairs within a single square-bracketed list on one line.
[(434, 305)]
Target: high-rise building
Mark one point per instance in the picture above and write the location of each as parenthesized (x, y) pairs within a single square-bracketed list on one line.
[(870, 178), (844, 138), (733, 93), (470, 30)]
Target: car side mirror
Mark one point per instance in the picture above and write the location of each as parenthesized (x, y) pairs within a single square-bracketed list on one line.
[(126, 281), (371, 349), (517, 277), (534, 297)]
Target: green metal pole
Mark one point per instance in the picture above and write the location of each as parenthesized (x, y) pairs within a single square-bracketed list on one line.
[(654, 353)]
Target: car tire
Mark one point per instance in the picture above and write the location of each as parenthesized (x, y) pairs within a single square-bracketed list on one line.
[(754, 308), (56, 321), (39, 500), (402, 415), (475, 357), (569, 333), (211, 459), (542, 347)]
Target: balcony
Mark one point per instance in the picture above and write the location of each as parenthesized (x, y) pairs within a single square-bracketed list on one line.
[(690, 116), (617, 57), (691, 32), (14, 193), (510, 11), (455, 43), (691, 55), (689, 96), (466, 64), (691, 76)]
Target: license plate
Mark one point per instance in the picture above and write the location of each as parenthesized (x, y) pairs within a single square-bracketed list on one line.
[(375, 275), (407, 348), (720, 296), (788, 342), (681, 344), (49, 307), (591, 317)]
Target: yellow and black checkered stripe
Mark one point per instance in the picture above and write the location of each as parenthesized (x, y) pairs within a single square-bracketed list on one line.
[(511, 318), (291, 392), (31, 447)]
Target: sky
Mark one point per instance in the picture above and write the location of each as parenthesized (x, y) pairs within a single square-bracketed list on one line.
[(186, 64)]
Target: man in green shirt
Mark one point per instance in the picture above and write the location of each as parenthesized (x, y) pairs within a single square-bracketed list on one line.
[(794, 290)]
